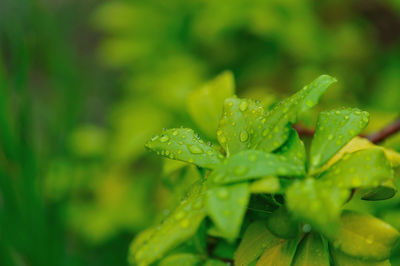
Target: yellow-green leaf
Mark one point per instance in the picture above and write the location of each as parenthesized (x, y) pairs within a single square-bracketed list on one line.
[(205, 104), (342, 259), (279, 255), (177, 228), (364, 236), (312, 251), (269, 185), (255, 240), (384, 191), (184, 259), (364, 168), (184, 145)]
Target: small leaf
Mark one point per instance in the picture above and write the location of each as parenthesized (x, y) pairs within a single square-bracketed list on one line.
[(340, 258), (255, 240), (278, 121), (312, 251), (181, 260), (269, 185), (357, 144), (386, 190), (281, 254), (334, 129), (205, 104), (240, 124), (184, 145), (365, 168), (282, 225), (253, 164), (364, 236), (226, 206), (177, 228), (316, 203)]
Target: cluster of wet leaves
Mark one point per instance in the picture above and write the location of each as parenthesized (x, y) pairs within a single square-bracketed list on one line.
[(259, 153)]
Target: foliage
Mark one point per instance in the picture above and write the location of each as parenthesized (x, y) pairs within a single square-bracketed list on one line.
[(306, 224)]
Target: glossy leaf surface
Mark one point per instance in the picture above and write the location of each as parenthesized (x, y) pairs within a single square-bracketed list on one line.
[(334, 129), (365, 168), (365, 236), (178, 227), (184, 145), (253, 164), (205, 104), (240, 125), (226, 206), (339, 258), (181, 260)]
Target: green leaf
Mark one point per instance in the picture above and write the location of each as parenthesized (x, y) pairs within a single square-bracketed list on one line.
[(269, 185), (253, 164), (364, 236), (282, 225), (184, 145), (316, 203), (177, 228), (340, 258), (278, 121), (205, 104), (294, 150), (385, 191), (279, 255), (364, 168), (181, 260), (240, 124), (334, 130), (255, 240), (226, 205), (312, 251)]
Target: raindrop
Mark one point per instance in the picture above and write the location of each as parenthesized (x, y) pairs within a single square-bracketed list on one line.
[(244, 136), (241, 170), (195, 149), (223, 193), (175, 133), (164, 138), (243, 106)]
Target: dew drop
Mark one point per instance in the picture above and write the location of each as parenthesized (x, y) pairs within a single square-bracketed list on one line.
[(310, 103), (184, 224), (223, 193), (194, 149), (179, 215), (241, 170), (164, 138), (175, 133), (330, 137), (244, 136), (243, 106)]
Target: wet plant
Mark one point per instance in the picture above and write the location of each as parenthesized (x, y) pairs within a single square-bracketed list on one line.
[(263, 198)]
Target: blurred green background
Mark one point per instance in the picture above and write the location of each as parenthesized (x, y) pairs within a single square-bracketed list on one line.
[(83, 84)]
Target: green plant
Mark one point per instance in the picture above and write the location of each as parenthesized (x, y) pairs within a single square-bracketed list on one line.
[(260, 186)]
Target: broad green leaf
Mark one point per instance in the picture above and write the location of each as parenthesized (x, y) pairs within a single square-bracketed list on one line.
[(240, 124), (365, 168), (316, 203), (359, 143), (269, 185), (205, 104), (253, 164), (184, 145), (177, 228), (137, 243), (312, 251), (365, 236), (386, 190), (334, 130), (282, 225), (181, 260), (255, 240), (279, 255), (294, 150), (226, 206), (278, 121), (342, 259)]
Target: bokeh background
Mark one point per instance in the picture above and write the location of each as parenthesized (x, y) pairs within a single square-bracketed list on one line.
[(83, 84)]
